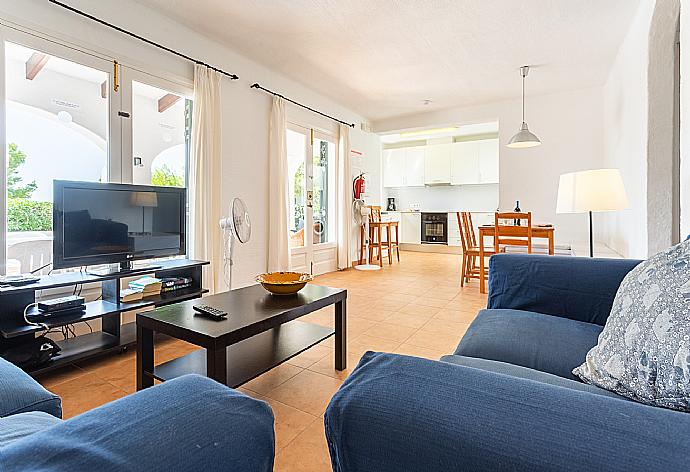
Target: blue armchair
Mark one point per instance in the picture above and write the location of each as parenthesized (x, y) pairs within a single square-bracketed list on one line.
[(506, 399), (190, 423)]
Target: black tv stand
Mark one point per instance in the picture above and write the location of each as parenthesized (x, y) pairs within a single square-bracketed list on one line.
[(124, 269), (113, 336)]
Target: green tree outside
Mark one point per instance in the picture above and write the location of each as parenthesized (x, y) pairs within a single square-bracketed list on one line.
[(14, 188), (166, 177)]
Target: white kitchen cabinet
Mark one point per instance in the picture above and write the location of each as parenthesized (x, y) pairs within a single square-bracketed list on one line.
[(437, 164), (414, 166), (393, 167), (488, 161), (474, 162), (411, 228), (464, 163)]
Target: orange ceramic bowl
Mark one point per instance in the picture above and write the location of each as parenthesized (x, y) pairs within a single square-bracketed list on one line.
[(284, 283)]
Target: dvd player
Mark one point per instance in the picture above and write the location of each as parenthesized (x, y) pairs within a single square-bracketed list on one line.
[(72, 302)]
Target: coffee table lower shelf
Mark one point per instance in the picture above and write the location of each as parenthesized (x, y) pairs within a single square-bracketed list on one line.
[(252, 357)]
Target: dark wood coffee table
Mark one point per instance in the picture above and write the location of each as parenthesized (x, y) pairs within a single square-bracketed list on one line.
[(260, 332)]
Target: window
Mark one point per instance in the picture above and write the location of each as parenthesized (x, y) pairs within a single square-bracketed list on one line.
[(64, 121), (57, 128), (161, 131)]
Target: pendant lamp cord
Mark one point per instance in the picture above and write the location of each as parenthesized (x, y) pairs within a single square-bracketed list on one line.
[(523, 98)]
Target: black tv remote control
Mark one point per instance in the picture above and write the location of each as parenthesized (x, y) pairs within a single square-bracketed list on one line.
[(210, 312)]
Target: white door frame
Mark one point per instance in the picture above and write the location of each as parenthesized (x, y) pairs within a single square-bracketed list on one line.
[(316, 258)]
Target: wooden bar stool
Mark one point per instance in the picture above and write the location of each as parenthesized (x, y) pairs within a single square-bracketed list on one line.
[(393, 244), (376, 227)]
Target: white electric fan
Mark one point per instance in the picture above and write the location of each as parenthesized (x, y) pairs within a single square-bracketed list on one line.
[(360, 215), (235, 226)]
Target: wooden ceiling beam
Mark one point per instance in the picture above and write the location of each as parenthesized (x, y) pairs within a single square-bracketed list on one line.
[(35, 64), (167, 101)]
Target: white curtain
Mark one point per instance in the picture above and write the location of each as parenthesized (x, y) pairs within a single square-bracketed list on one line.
[(344, 194), (278, 234), (204, 176)]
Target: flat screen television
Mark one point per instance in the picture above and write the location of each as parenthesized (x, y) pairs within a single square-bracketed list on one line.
[(96, 223)]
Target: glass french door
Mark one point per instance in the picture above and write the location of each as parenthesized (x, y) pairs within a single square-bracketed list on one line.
[(312, 200), (60, 122)]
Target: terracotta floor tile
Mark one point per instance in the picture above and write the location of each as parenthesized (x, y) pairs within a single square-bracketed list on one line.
[(308, 452), (307, 391), (273, 378), (85, 393), (435, 341), (412, 350), (289, 422), (411, 321), (56, 377), (311, 356), (421, 310), (392, 331), (441, 326)]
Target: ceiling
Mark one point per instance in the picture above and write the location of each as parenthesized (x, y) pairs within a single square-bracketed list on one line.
[(383, 58)]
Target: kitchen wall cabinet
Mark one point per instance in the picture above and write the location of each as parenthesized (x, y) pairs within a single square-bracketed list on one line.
[(474, 162), (437, 164), (411, 228), (464, 163), (414, 166), (404, 167), (488, 161), (393, 162)]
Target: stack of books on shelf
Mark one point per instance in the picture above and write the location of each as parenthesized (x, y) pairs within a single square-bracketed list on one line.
[(170, 284), (147, 285)]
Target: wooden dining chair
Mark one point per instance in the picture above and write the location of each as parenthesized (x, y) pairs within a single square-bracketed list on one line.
[(512, 234), (470, 252)]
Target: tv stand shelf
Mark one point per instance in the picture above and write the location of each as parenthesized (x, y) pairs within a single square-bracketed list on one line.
[(14, 331)]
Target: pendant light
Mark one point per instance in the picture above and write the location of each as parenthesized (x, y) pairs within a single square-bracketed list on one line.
[(524, 138)]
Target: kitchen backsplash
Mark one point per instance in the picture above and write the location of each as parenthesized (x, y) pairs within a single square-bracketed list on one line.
[(445, 198)]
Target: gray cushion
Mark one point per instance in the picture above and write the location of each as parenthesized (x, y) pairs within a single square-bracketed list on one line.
[(20, 393), (546, 343), (529, 374), (24, 424), (644, 350)]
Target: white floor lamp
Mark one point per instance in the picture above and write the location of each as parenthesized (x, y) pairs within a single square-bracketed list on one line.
[(591, 191)]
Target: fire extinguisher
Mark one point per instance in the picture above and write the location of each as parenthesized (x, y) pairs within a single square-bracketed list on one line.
[(359, 187)]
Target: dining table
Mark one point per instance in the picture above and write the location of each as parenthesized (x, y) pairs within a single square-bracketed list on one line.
[(538, 231)]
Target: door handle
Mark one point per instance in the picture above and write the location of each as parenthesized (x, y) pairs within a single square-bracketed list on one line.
[(310, 198)]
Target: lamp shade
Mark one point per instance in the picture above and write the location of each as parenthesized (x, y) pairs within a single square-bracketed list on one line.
[(523, 138), (144, 199), (591, 190)]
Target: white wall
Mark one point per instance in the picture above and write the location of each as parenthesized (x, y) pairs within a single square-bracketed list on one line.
[(639, 132), (570, 127), (625, 122), (685, 120), (245, 110)]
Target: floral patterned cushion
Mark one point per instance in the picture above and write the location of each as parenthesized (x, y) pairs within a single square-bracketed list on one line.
[(643, 352)]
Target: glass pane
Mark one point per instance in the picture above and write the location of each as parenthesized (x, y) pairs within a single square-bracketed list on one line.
[(161, 129), (57, 128), (324, 191), (296, 152)]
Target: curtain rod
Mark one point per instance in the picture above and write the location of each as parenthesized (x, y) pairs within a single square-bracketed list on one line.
[(141, 38), (257, 86)]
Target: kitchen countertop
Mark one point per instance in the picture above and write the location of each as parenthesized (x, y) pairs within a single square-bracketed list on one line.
[(434, 211)]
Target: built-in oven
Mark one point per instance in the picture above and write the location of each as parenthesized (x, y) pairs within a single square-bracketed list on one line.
[(434, 228)]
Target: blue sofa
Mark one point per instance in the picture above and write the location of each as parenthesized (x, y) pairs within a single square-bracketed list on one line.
[(506, 400), (190, 423)]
